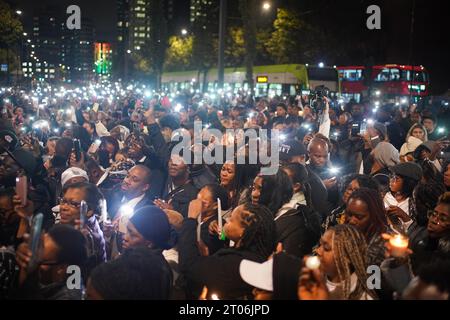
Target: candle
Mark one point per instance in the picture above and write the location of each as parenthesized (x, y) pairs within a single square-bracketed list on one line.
[(399, 244), (214, 297), (313, 262), (219, 216)]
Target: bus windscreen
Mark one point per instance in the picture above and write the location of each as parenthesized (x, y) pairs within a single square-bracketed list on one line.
[(322, 74)]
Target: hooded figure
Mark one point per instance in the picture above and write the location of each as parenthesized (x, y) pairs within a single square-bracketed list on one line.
[(413, 142), (386, 154)]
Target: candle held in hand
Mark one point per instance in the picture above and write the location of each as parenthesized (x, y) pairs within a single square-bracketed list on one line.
[(399, 244), (219, 217), (313, 263)]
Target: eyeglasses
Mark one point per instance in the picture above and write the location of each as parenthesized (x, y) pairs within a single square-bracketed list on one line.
[(440, 217), (70, 203)]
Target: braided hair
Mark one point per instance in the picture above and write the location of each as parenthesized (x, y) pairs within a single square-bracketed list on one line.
[(350, 252), (259, 235)]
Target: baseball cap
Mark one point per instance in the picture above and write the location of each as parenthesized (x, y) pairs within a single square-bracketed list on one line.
[(291, 148), (278, 275), (72, 173)]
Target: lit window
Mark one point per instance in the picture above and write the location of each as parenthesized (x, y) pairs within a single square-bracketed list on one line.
[(119, 24), (25, 69), (119, 38)]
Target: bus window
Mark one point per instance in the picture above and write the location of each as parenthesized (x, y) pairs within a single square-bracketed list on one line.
[(275, 89), (419, 76), (261, 89), (351, 74), (293, 90), (383, 75)]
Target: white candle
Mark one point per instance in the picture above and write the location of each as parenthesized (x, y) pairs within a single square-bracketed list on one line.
[(313, 262), (214, 297), (399, 244), (219, 216)]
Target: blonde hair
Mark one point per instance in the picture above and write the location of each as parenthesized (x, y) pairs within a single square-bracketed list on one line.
[(350, 256)]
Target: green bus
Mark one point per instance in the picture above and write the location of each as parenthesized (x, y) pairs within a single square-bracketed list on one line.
[(271, 80)]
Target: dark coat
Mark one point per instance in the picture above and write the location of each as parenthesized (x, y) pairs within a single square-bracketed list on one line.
[(319, 194), (219, 272), (298, 230), (181, 197)]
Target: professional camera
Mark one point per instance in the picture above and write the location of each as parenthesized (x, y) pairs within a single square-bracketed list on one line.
[(317, 96)]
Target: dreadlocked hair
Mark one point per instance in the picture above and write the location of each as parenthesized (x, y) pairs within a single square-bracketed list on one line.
[(259, 235), (350, 252)]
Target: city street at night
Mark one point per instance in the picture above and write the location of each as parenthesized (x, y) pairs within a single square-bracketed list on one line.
[(234, 150)]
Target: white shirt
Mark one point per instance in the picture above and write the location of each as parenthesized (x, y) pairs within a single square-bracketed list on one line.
[(102, 178), (297, 198), (390, 201), (143, 159), (125, 216), (336, 289)]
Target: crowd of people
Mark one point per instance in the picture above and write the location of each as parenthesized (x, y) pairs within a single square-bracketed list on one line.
[(138, 221)]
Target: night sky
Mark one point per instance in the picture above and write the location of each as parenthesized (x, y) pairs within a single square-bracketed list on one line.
[(390, 45)]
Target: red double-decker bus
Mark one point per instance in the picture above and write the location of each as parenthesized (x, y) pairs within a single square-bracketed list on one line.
[(390, 81), (353, 84)]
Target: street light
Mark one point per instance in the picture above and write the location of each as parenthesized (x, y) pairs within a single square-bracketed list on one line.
[(321, 65), (184, 32), (266, 6), (128, 51), (25, 34), (19, 12)]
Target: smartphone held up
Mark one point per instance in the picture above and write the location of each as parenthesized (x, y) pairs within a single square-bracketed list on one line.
[(22, 189)]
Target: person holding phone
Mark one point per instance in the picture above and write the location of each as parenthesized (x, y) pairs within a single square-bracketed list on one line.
[(319, 163), (398, 202), (62, 246), (70, 205)]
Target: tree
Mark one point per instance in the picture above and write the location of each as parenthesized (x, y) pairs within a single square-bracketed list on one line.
[(179, 53), (235, 47), (10, 33), (205, 42), (10, 27), (293, 40), (156, 48), (248, 9)]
